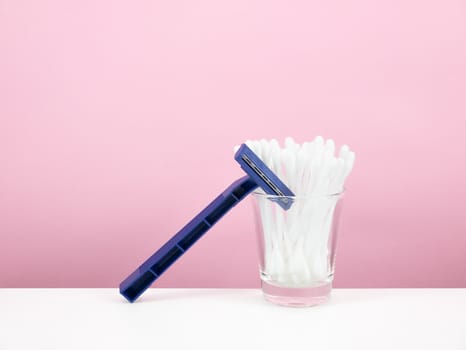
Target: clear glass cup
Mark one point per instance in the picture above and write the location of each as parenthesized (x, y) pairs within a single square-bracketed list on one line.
[(297, 247)]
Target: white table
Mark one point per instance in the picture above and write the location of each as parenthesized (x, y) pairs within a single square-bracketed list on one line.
[(231, 319)]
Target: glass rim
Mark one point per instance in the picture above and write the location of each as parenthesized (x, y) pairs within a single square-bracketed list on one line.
[(256, 193)]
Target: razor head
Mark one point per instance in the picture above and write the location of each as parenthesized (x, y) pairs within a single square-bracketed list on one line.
[(263, 176)]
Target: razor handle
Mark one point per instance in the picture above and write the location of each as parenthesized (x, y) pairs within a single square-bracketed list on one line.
[(141, 279)]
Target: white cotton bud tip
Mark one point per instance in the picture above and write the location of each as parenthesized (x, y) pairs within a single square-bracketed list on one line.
[(319, 140), (257, 148), (264, 144), (305, 146), (289, 142), (252, 145), (343, 151), (236, 148), (274, 144), (349, 162), (329, 147)]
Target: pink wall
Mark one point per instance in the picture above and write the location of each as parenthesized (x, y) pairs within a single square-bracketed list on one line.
[(117, 121)]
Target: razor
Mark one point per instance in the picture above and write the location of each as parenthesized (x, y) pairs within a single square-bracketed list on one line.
[(258, 175)]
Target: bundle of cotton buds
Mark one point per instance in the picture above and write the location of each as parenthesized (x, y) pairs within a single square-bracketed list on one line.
[(297, 243)]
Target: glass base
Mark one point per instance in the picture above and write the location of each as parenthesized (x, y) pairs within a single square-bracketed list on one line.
[(297, 297)]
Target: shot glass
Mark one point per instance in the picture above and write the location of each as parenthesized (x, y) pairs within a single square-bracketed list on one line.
[(297, 247)]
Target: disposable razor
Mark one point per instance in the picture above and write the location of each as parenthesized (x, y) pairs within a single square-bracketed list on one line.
[(258, 174)]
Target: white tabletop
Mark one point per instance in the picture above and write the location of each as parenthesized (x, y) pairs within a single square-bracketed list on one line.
[(231, 319)]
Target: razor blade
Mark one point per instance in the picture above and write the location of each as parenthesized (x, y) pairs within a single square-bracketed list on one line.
[(264, 177)]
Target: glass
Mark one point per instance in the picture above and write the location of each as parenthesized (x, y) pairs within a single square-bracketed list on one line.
[(297, 247)]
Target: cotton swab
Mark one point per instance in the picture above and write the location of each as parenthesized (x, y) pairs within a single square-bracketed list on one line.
[(296, 242)]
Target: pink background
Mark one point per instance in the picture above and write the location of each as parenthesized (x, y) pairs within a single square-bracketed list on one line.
[(118, 120)]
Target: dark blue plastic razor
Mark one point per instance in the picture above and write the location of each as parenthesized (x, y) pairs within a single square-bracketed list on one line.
[(258, 174)]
